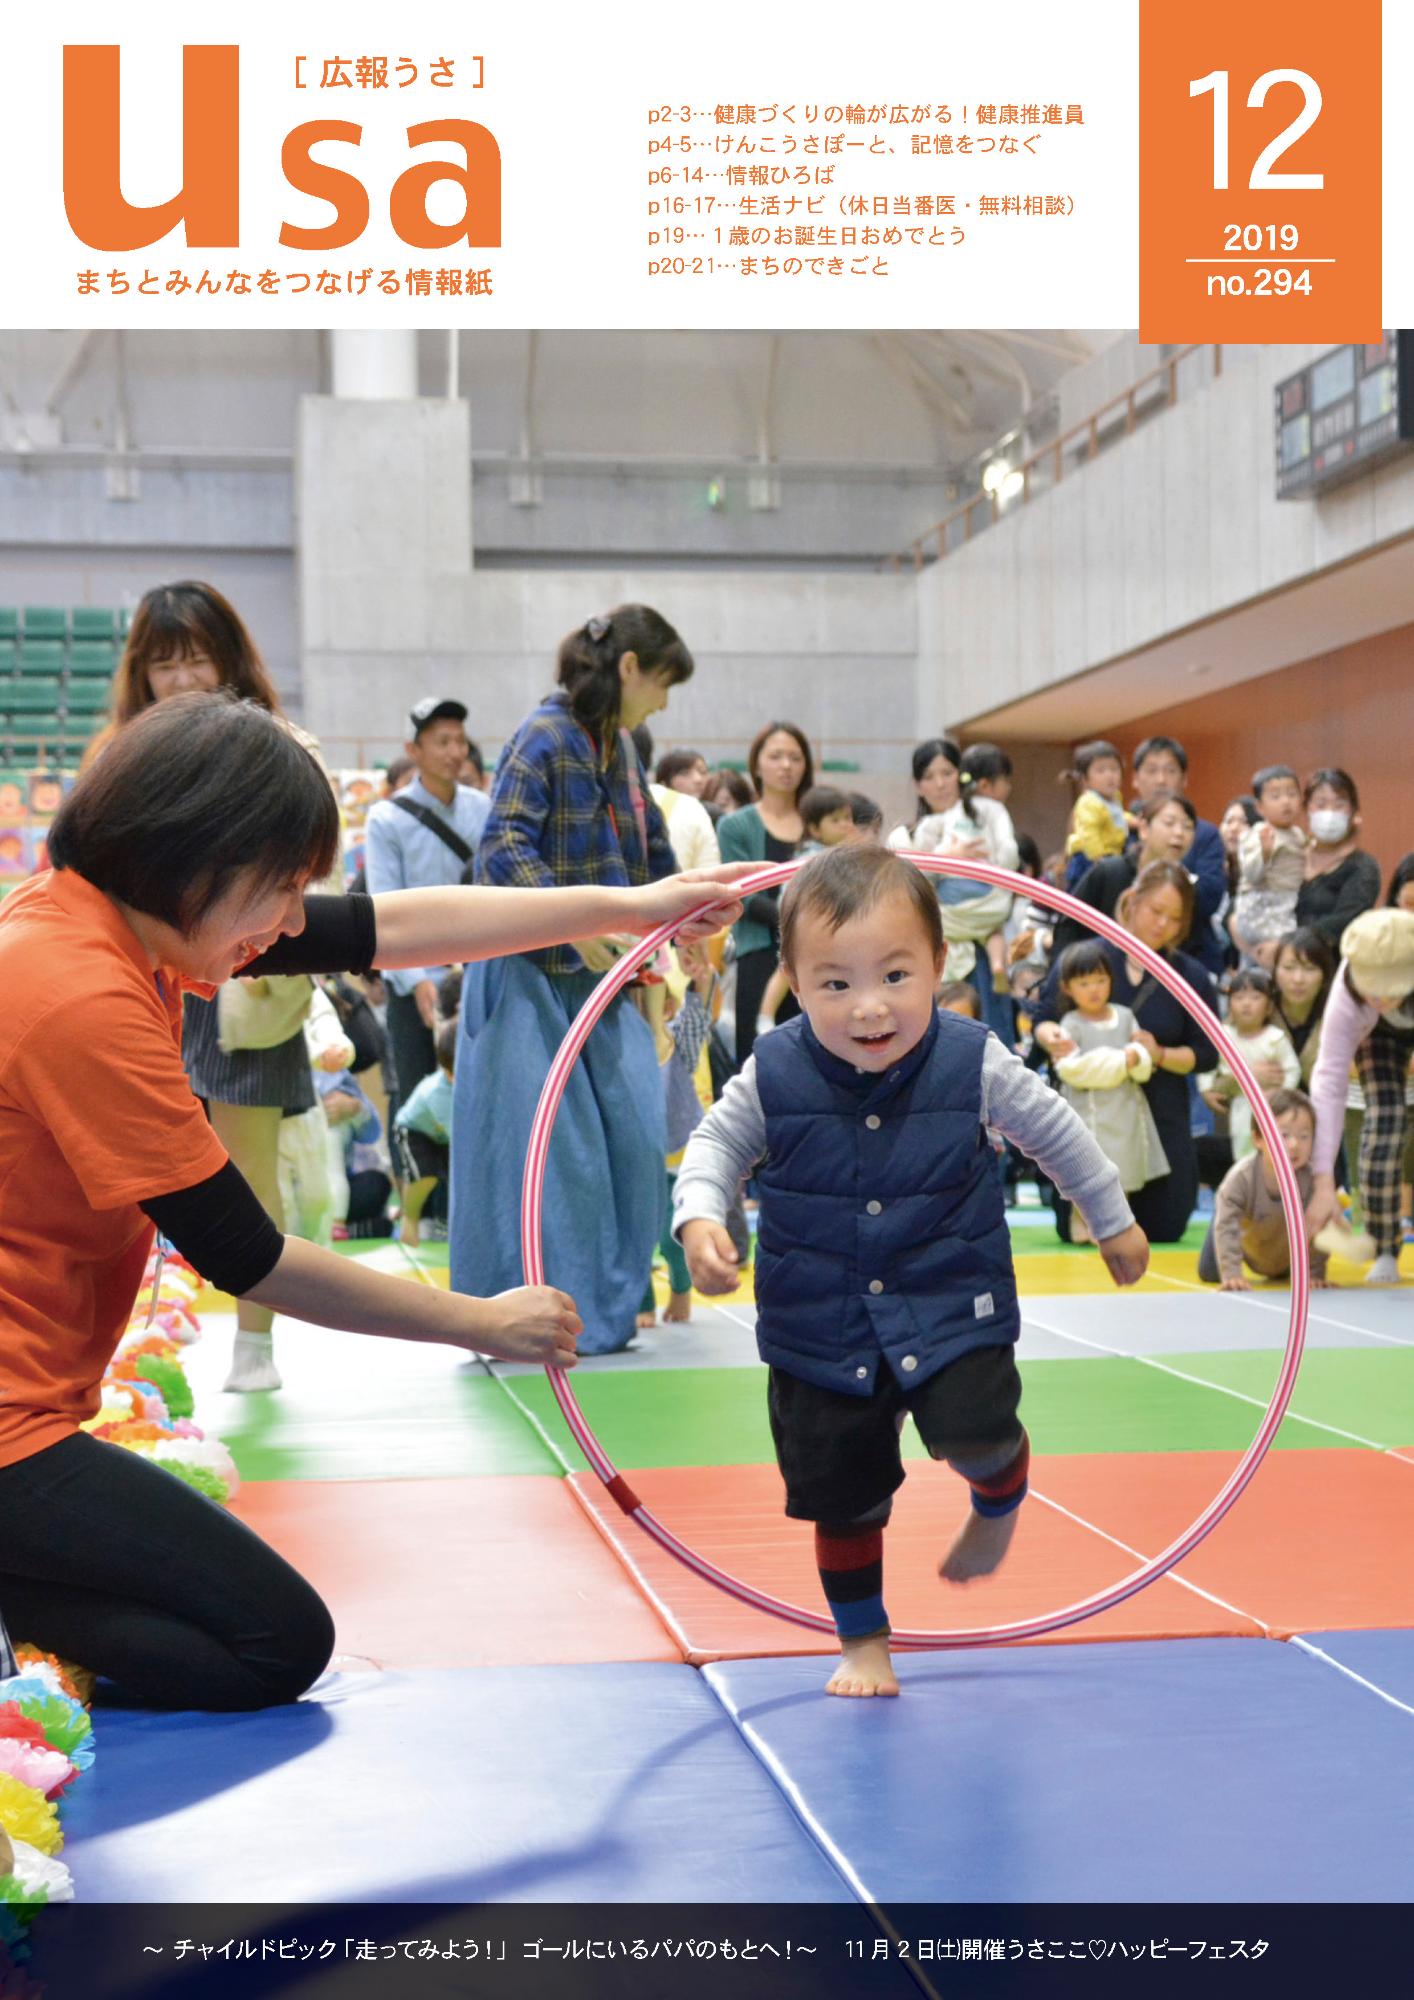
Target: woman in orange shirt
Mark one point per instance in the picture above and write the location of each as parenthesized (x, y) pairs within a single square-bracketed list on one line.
[(180, 858)]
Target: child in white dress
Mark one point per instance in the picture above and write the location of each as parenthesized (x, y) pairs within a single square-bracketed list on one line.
[(1103, 1069), (1253, 1024)]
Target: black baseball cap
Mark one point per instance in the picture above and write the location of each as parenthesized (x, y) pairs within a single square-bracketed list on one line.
[(431, 709)]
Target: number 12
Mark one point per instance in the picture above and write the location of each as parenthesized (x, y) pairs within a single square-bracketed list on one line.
[(1216, 81)]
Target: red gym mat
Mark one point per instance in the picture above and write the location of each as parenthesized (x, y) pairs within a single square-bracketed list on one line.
[(458, 1572), (1320, 1540), (1314, 1543), (733, 1517)]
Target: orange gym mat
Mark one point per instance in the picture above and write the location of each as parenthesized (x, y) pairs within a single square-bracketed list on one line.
[(1319, 1541), (458, 1572), (1270, 1561)]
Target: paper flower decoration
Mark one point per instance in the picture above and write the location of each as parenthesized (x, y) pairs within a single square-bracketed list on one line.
[(27, 1815), (40, 1876)]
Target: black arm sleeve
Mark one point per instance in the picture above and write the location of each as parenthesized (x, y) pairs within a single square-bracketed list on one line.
[(764, 908), (340, 935), (220, 1227)]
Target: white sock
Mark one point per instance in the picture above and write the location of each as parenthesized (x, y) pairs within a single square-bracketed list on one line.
[(252, 1364), (1384, 1270), (764, 1024)]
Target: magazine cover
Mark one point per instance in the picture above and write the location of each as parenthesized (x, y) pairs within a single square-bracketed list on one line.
[(707, 947)]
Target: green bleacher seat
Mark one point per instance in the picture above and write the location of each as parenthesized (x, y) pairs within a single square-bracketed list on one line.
[(41, 656), (92, 656), (93, 622), (31, 697), (46, 621), (87, 697), (9, 622)]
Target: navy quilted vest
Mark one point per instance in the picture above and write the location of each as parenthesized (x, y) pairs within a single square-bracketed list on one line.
[(883, 1229)]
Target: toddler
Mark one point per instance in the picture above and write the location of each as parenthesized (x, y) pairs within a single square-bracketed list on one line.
[(681, 1034), (1101, 1075), (868, 817), (828, 819), (960, 996), (1271, 863), (1249, 1223), (422, 1133), (884, 1276), (1099, 824), (1253, 1023)]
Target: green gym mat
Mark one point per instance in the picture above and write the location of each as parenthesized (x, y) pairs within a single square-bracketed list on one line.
[(429, 1427), (1369, 1393), (717, 1416)]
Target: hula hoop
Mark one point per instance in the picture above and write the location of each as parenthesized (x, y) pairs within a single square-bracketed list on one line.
[(618, 1487)]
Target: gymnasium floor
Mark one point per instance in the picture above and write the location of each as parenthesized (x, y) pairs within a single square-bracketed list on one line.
[(532, 1703)]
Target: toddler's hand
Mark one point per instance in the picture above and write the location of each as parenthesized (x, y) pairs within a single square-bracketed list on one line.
[(1126, 1255), (599, 953), (711, 1257), (1235, 1285), (696, 965)]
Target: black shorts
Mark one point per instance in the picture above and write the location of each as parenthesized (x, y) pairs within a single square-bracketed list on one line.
[(839, 1455), (420, 1157)]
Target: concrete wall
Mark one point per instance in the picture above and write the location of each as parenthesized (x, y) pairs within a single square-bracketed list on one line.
[(1170, 527), (392, 607)]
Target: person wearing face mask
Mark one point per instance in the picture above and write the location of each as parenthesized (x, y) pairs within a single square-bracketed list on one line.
[(1342, 880), (1158, 909), (1369, 1020), (1166, 824)]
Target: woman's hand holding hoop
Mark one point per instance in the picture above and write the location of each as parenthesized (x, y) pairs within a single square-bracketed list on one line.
[(531, 1323), (678, 895)]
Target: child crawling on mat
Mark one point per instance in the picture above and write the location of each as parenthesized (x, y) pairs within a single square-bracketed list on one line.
[(884, 1280)]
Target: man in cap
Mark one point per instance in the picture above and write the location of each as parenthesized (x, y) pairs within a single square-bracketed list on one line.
[(423, 838)]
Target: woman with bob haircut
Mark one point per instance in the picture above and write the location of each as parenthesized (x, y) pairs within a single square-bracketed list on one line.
[(187, 638), (181, 857)]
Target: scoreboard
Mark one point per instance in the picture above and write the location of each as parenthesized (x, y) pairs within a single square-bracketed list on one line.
[(1344, 414)]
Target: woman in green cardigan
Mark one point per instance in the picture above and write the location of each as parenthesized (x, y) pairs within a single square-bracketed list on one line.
[(781, 768)]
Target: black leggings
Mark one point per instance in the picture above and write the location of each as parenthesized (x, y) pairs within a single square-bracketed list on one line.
[(107, 1560)]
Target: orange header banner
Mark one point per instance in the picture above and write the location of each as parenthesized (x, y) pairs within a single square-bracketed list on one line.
[(1259, 171)]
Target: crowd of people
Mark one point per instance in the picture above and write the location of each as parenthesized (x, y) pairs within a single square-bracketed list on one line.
[(350, 1112), (277, 1067)]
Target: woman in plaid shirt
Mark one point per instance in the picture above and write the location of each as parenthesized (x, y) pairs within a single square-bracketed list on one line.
[(571, 805)]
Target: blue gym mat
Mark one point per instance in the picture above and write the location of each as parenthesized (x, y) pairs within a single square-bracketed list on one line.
[(1385, 1658), (1198, 1770), (595, 1784)]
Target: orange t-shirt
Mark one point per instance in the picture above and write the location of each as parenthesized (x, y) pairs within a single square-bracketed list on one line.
[(96, 1115)]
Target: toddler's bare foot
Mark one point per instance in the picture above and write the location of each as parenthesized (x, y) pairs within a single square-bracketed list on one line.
[(678, 1308), (864, 1668), (979, 1546), (645, 1319)]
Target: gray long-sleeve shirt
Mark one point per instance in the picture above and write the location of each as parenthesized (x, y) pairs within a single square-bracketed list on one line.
[(731, 1139)]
